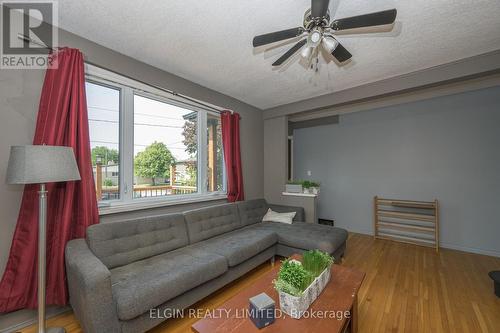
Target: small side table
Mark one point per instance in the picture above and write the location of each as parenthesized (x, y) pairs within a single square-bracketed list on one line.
[(495, 276)]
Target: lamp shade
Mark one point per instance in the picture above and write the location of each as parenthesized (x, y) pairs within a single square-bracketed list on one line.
[(41, 164)]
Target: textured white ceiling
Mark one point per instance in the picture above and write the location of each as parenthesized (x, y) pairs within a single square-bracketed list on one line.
[(210, 42)]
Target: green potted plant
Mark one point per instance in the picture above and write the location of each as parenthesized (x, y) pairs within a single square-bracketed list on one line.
[(300, 283), (306, 184), (293, 186)]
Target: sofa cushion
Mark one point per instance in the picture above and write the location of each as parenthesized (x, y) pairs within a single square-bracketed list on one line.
[(211, 221), (307, 236), (252, 211), (239, 245), (148, 283), (121, 243)]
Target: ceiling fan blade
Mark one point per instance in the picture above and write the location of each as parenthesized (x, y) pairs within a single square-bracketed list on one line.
[(319, 8), (367, 20), (290, 52), (276, 36), (341, 54)]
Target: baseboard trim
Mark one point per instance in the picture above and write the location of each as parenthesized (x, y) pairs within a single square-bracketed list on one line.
[(450, 246), (33, 320), (367, 232), (491, 253)]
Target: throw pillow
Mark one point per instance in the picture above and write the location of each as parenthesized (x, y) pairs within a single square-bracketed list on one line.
[(272, 216)]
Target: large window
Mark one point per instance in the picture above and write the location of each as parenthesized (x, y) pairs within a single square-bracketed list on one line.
[(147, 145)]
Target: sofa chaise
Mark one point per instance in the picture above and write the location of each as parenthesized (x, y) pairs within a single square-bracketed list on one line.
[(123, 270)]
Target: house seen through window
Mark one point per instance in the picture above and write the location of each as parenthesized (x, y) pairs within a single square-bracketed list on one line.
[(165, 149)]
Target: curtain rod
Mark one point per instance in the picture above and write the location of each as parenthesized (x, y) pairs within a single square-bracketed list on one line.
[(192, 100)]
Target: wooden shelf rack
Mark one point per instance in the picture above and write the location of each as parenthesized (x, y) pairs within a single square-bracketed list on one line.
[(408, 221)]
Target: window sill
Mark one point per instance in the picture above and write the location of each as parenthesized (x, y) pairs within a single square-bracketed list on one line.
[(148, 204)]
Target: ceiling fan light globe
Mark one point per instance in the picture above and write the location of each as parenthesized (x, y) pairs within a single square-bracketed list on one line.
[(330, 44), (315, 36), (306, 52)]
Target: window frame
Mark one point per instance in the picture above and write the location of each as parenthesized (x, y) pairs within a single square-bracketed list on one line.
[(128, 88), (109, 85)]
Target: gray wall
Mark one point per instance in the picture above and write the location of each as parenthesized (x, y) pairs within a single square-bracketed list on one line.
[(19, 97), (275, 158), (446, 148)]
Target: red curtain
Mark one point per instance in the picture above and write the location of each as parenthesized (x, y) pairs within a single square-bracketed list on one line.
[(230, 122), (71, 207)]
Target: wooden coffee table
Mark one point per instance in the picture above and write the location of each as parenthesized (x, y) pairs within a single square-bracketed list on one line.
[(339, 296)]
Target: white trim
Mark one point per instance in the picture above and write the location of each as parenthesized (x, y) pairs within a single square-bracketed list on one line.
[(202, 152), (127, 146), (299, 194), (121, 207)]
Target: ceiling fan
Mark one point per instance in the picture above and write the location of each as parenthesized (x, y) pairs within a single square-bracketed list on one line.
[(318, 30)]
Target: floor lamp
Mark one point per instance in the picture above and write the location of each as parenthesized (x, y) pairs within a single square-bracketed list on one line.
[(41, 165)]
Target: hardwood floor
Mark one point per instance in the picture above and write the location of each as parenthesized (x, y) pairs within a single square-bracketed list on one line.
[(414, 289), (407, 289)]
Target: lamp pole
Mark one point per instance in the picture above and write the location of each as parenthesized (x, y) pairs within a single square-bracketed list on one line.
[(42, 239), (42, 244)]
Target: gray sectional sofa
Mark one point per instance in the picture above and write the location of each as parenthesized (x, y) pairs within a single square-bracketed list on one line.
[(124, 269)]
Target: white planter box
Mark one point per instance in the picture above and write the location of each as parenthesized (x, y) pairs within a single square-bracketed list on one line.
[(293, 188), (296, 306)]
